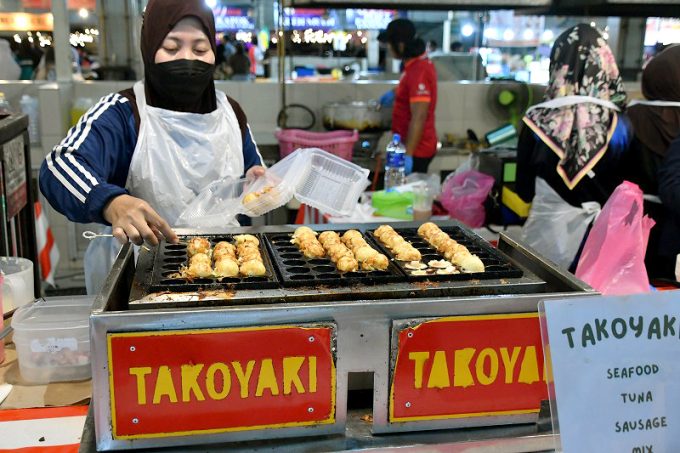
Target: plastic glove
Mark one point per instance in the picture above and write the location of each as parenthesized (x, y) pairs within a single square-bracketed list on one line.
[(387, 99), (408, 164)]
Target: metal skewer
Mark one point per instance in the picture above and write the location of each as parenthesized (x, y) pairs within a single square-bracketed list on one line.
[(92, 235)]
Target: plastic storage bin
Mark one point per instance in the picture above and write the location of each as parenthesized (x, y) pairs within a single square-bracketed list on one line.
[(313, 176), (339, 143), (52, 339)]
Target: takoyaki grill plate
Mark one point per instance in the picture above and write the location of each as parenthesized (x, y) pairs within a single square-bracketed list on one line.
[(496, 264), (168, 260), (296, 270)]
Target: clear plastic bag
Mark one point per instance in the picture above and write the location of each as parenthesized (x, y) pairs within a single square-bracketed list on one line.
[(613, 258), (463, 195), (555, 228), (216, 206), (99, 257)]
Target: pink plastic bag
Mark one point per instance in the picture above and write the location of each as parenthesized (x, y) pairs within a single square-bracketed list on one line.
[(463, 196), (613, 258)]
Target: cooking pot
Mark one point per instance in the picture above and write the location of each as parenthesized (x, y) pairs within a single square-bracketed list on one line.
[(362, 116)]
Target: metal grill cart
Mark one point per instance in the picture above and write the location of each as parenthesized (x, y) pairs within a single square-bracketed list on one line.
[(213, 362)]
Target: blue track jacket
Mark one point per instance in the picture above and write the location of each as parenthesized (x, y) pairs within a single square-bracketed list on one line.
[(90, 166)]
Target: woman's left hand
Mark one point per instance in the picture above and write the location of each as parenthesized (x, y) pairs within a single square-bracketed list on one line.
[(254, 172)]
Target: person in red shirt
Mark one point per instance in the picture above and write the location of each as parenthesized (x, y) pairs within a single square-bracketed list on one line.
[(415, 98)]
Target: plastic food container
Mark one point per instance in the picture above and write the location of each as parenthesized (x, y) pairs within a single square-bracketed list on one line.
[(313, 176), (276, 187), (52, 339)]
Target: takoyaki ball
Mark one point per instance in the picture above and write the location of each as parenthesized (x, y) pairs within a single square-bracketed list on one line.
[(198, 245), (448, 244), (223, 249), (460, 256), (382, 229), (313, 250), (351, 234), (457, 249), (355, 243), (200, 270), (245, 257), (252, 268), (439, 238), (426, 228), (395, 241), (241, 238), (364, 253), (329, 236), (226, 268), (338, 250), (303, 231), (407, 253), (199, 258), (377, 262), (250, 197), (471, 264), (347, 264)]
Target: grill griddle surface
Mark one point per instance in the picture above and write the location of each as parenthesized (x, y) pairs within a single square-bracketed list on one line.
[(170, 258), (297, 270), (495, 263)]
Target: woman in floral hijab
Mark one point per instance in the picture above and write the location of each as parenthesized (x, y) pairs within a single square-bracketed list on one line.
[(578, 122), (569, 151)]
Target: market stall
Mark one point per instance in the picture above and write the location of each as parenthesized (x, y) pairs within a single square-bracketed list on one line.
[(180, 361)]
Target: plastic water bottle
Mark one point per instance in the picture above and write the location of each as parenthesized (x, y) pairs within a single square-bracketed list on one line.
[(395, 163), (29, 106)]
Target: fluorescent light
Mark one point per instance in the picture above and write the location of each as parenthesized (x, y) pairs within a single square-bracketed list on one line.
[(83, 13), (491, 33), (508, 35), (467, 30), (548, 35), (528, 34)]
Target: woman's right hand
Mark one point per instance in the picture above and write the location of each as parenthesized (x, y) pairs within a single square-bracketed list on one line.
[(134, 220)]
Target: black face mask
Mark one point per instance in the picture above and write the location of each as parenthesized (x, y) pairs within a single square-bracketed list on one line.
[(181, 81)]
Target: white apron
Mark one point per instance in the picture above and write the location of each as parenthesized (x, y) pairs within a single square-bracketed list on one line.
[(177, 156), (654, 103), (573, 100)]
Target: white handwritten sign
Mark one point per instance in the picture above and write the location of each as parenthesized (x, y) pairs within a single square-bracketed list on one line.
[(615, 364)]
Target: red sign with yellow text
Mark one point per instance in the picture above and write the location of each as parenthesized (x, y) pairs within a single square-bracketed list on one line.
[(468, 366), (187, 382)]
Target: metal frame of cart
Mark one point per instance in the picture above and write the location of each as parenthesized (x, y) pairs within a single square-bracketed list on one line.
[(363, 329)]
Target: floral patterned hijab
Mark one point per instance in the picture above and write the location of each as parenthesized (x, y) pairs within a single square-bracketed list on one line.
[(581, 64)]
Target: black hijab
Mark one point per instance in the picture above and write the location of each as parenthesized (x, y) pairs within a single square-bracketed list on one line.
[(657, 126), (160, 18)]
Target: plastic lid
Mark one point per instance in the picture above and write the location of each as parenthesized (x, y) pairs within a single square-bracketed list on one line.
[(43, 315)]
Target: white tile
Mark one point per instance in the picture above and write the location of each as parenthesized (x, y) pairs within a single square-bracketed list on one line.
[(231, 89), (94, 90), (260, 102), (477, 109), (305, 94), (370, 91)]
